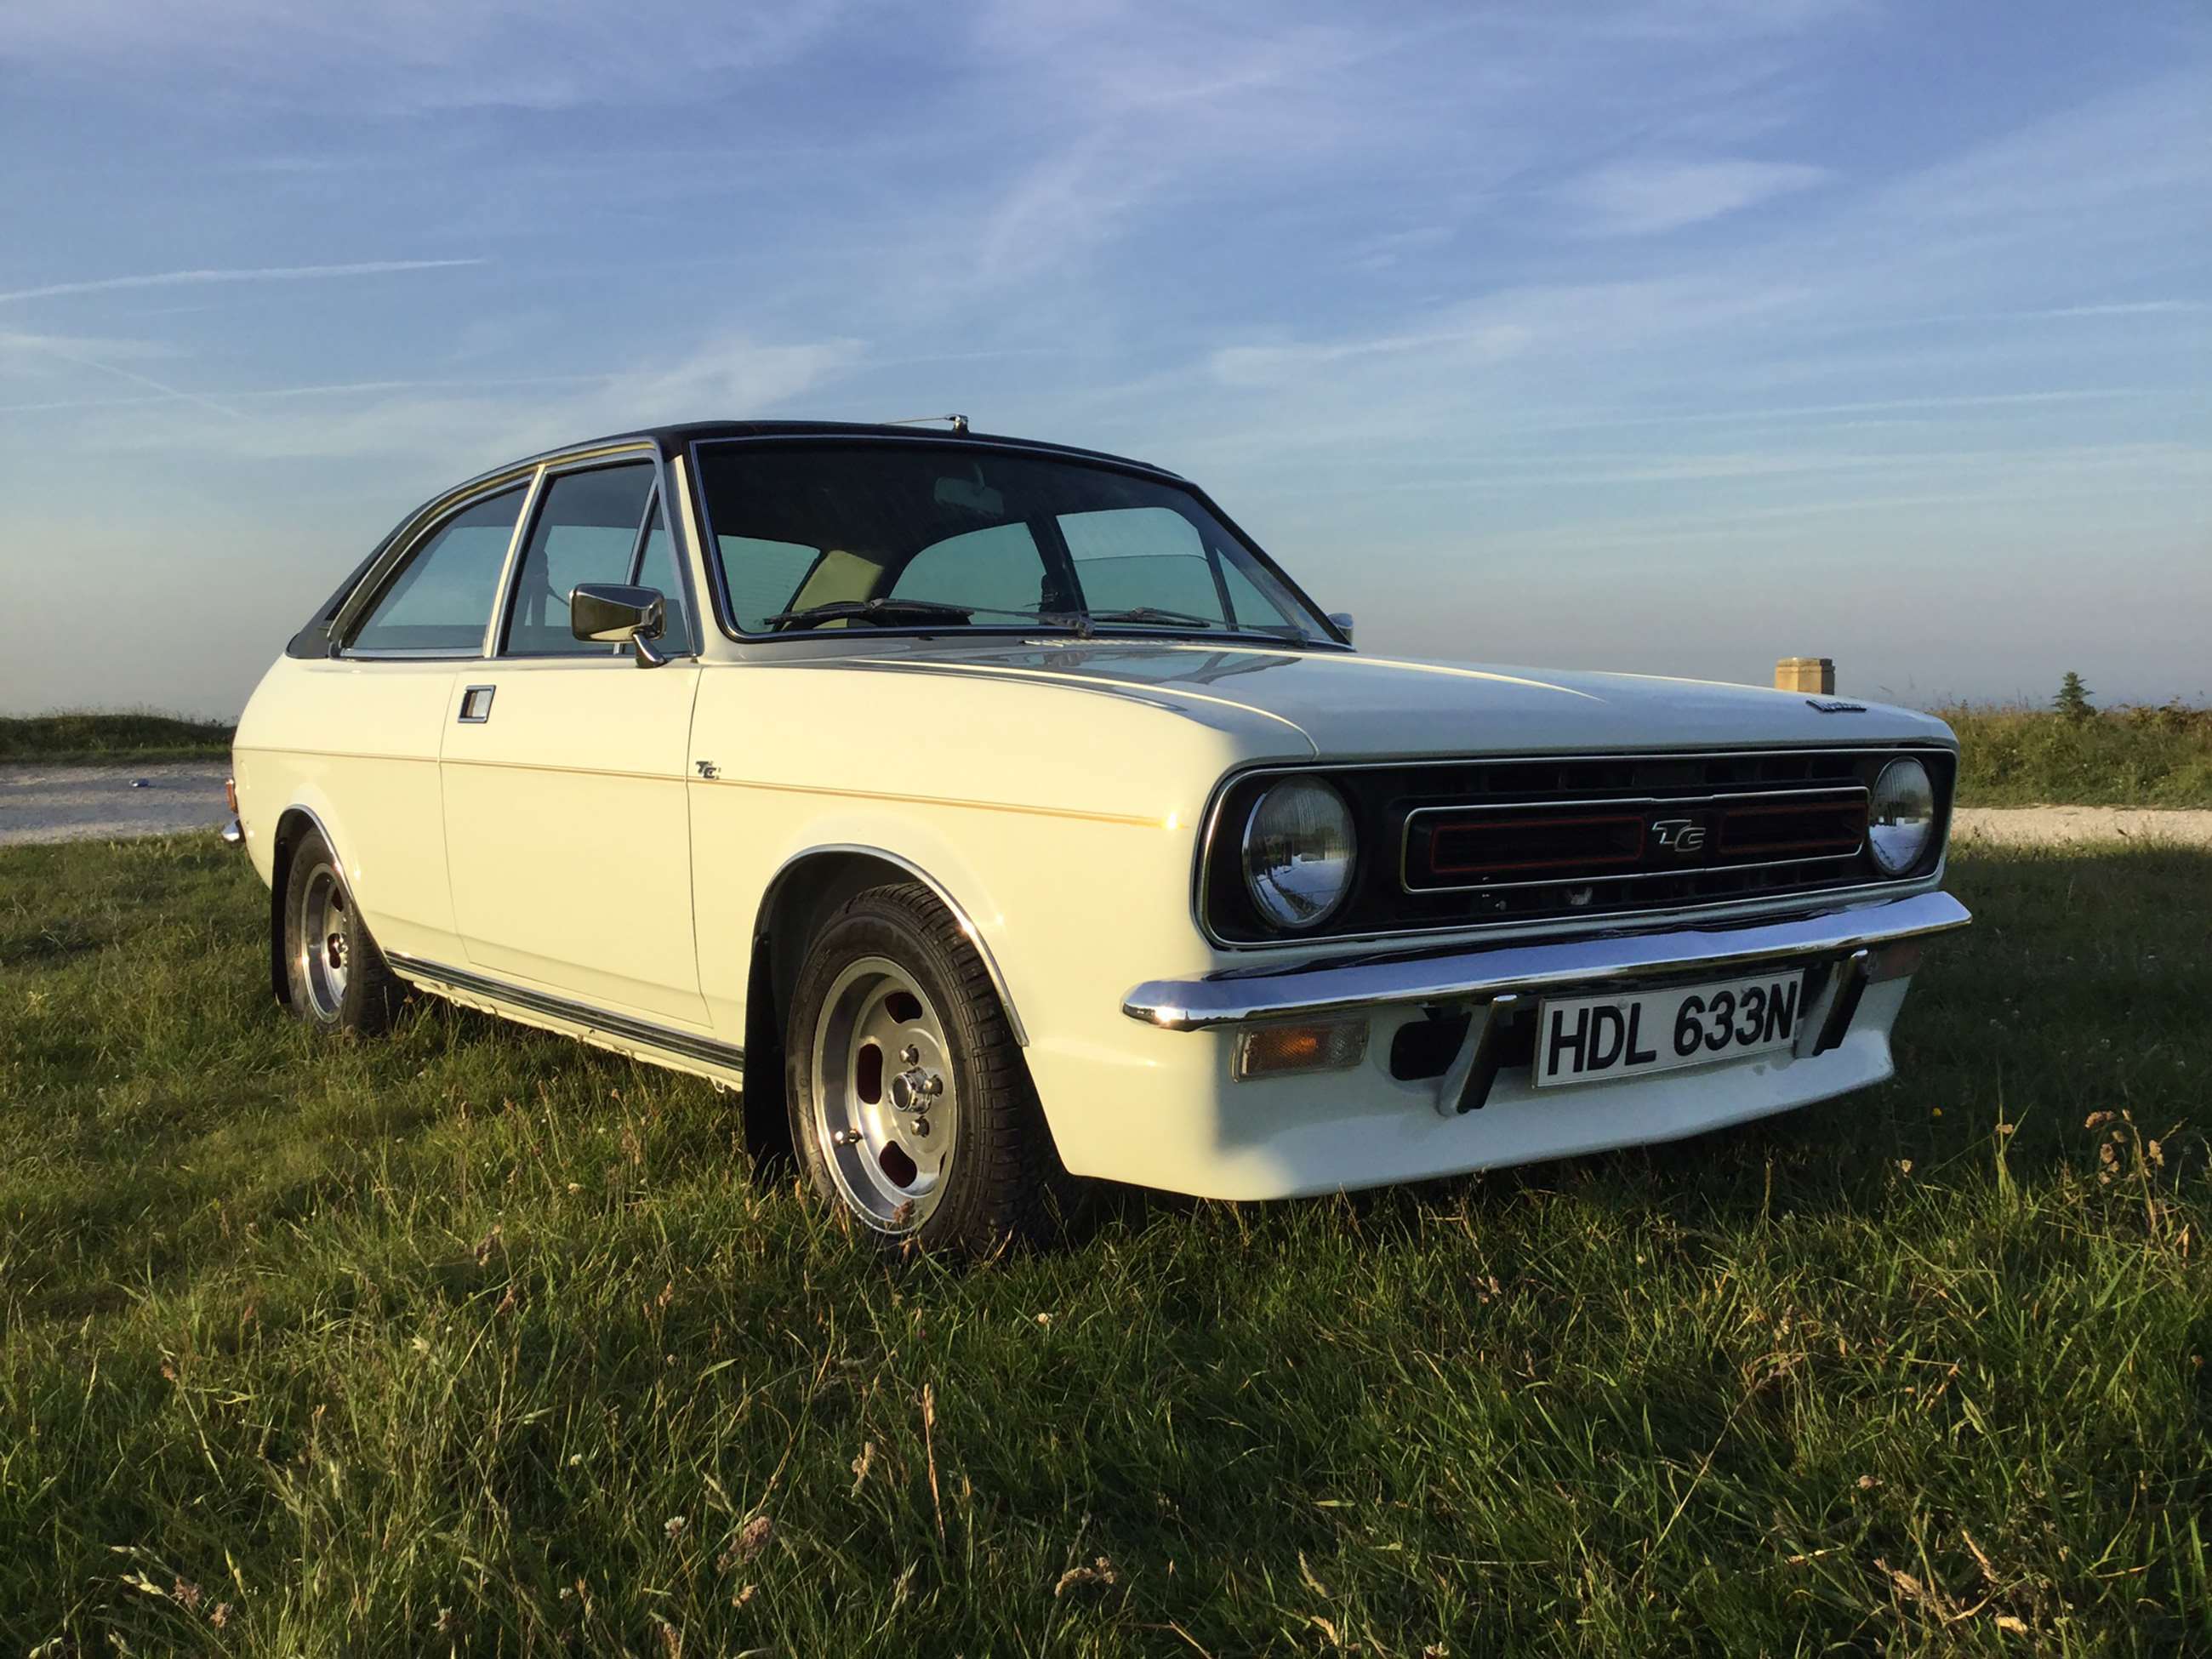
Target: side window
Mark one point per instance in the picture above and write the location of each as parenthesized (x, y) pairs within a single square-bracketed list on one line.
[(586, 531), (764, 577), (441, 601), (656, 568), (999, 567), (1129, 556)]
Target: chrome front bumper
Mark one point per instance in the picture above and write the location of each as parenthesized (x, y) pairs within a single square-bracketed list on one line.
[(1238, 996)]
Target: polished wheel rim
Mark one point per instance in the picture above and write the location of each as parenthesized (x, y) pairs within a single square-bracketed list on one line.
[(886, 1107), (325, 941)]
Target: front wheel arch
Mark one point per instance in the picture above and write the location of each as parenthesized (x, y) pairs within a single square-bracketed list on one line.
[(809, 888)]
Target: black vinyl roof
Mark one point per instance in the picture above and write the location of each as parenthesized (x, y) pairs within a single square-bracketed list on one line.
[(681, 433)]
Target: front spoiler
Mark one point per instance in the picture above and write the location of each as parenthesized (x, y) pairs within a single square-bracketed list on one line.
[(1338, 985)]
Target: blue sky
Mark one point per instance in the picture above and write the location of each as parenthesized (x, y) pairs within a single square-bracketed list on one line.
[(1670, 337)]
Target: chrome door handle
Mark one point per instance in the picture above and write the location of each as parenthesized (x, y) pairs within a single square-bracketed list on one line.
[(476, 704)]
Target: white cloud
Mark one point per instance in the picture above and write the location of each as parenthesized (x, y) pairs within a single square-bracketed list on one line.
[(1441, 346), (1645, 197), (469, 424), (1284, 364), (729, 377)]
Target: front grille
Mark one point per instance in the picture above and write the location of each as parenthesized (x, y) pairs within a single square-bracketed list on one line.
[(1483, 848), (1450, 845)]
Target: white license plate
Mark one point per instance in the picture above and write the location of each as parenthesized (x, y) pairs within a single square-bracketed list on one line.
[(1591, 1039)]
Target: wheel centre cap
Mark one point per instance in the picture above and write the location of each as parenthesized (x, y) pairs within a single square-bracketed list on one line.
[(914, 1090)]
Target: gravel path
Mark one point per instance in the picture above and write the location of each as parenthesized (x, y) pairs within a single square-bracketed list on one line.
[(93, 802), (2065, 826)]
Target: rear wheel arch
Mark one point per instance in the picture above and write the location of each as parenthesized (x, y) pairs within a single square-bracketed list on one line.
[(294, 823), (329, 972)]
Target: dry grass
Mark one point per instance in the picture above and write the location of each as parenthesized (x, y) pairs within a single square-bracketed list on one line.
[(107, 737), (2127, 757)]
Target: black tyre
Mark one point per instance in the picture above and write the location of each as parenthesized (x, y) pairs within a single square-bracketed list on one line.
[(910, 1106), (337, 977)]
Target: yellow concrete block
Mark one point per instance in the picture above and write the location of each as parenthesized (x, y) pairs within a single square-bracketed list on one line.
[(1814, 674)]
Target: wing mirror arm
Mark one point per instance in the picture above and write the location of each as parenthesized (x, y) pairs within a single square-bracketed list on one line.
[(1342, 620), (613, 612)]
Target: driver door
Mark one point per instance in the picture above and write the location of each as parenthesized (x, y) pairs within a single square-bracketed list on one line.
[(568, 827)]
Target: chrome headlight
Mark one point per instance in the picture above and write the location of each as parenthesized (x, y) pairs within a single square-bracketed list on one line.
[(1900, 816), (1299, 853)]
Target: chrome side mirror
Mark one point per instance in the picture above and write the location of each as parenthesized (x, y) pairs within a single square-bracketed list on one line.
[(613, 612), (1342, 620)]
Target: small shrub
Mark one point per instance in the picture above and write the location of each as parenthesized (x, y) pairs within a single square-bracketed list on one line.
[(2072, 702)]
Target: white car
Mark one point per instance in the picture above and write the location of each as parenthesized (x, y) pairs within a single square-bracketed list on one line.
[(1003, 813)]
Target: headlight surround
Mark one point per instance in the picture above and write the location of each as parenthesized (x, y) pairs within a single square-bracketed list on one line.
[(1299, 850), (1901, 817)]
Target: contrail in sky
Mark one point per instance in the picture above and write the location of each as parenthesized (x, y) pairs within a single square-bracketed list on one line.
[(263, 274)]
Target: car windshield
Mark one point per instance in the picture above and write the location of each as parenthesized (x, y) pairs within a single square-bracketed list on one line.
[(932, 538)]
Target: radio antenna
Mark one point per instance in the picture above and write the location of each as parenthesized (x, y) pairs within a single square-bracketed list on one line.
[(959, 421)]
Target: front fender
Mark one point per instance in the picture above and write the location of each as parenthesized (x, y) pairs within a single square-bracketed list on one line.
[(1050, 901)]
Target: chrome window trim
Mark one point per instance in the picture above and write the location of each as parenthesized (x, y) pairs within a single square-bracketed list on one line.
[(426, 521), (1641, 803), (509, 565), (661, 514), (627, 452), (710, 550), (1210, 824), (403, 543), (406, 654), (699, 569), (643, 537)]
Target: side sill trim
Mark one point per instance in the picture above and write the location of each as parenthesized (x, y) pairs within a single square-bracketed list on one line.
[(580, 1013), (1595, 962)]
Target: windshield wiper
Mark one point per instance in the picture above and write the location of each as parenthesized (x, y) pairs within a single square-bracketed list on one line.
[(1154, 614), (1151, 613), (892, 611), (878, 609)]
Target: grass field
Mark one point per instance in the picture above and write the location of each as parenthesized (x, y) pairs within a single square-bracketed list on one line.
[(474, 1341)]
